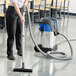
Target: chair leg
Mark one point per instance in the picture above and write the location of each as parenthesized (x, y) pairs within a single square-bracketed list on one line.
[(60, 13), (39, 17), (44, 13), (32, 19), (68, 12), (5, 28), (26, 20), (64, 12), (50, 13)]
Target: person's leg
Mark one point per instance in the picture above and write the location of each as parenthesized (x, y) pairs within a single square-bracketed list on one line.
[(19, 37), (11, 29)]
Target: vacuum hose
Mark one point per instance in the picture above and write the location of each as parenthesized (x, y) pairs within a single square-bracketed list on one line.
[(50, 53), (64, 58)]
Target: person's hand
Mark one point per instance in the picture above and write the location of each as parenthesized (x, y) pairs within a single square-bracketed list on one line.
[(22, 19), (25, 4)]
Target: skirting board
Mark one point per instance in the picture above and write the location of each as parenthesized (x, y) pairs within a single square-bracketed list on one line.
[(73, 14)]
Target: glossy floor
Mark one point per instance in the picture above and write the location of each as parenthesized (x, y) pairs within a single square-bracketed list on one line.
[(40, 65)]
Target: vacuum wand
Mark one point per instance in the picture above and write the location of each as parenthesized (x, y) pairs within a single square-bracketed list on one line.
[(23, 69)]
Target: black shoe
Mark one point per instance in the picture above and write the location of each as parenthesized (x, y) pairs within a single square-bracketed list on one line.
[(19, 53), (11, 57)]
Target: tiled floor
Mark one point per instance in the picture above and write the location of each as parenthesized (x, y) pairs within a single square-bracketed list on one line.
[(41, 66)]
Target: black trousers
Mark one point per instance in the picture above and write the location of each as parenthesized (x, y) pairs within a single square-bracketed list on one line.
[(14, 29)]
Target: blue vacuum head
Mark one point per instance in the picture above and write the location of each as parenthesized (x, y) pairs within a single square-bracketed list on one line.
[(47, 24)]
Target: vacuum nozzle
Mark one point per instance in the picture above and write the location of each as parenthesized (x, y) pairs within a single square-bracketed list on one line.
[(22, 70)]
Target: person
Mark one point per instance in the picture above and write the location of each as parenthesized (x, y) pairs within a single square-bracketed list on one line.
[(14, 20)]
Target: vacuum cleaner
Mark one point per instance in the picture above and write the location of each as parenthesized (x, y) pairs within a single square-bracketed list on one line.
[(49, 31), (48, 35)]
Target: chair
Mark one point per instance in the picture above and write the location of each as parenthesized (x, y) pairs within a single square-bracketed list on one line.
[(4, 6), (35, 10), (46, 7), (65, 7), (7, 3), (59, 6)]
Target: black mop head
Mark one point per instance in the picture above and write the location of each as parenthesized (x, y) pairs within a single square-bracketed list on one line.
[(22, 70)]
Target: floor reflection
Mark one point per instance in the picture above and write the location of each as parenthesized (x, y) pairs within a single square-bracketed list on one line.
[(15, 64), (41, 66)]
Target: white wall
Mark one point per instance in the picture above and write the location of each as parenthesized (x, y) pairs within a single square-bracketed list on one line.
[(72, 7)]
